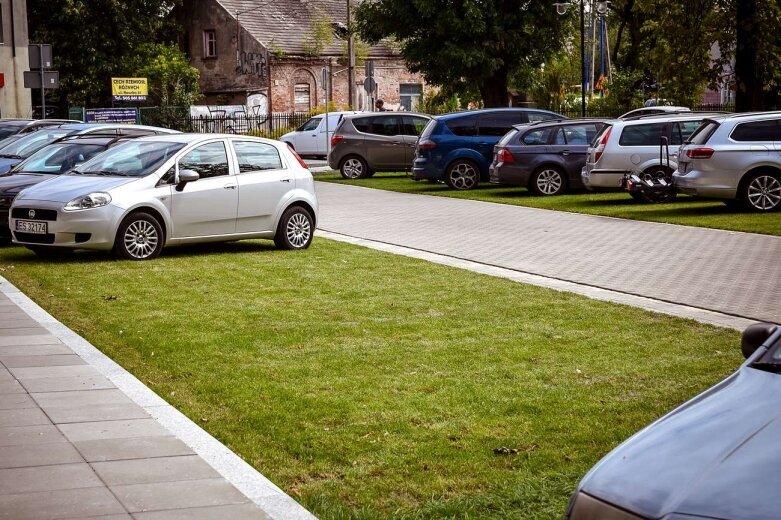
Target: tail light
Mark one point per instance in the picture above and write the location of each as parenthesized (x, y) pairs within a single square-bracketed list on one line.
[(299, 159), (700, 153), (505, 156), (601, 147), (336, 139), (426, 144)]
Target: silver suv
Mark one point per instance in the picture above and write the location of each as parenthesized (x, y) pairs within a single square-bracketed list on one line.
[(632, 145), (736, 158)]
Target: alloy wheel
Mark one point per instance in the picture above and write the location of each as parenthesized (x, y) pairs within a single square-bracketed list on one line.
[(298, 230), (764, 192), (141, 239), (353, 168), (463, 176), (549, 182)]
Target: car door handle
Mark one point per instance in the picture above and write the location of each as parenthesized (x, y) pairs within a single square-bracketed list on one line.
[(284, 180), (564, 152), (230, 186)]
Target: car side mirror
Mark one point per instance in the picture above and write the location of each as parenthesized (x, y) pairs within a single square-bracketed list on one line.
[(755, 336), (186, 176)]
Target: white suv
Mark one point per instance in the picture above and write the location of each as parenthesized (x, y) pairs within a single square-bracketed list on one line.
[(736, 158), (627, 146)]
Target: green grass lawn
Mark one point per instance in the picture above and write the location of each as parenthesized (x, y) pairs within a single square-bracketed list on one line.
[(369, 385), (687, 210)]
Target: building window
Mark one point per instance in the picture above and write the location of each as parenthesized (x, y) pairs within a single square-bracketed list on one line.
[(210, 43), (302, 97), (409, 95)]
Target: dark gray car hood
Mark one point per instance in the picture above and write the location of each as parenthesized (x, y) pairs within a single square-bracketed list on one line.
[(717, 456), (13, 184)]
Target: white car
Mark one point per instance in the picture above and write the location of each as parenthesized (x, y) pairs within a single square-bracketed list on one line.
[(157, 191), (311, 138), (654, 111)]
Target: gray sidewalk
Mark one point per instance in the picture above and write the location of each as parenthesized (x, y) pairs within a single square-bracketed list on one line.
[(75, 445), (727, 272)]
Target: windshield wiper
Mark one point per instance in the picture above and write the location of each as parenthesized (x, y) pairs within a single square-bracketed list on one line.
[(10, 156), (105, 173)]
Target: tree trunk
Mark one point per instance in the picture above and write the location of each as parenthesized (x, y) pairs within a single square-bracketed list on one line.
[(749, 95), (493, 90)]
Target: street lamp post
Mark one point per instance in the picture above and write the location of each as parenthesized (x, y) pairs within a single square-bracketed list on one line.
[(561, 8)]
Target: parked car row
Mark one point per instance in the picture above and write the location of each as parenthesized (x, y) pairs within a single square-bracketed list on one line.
[(134, 190), (652, 153)]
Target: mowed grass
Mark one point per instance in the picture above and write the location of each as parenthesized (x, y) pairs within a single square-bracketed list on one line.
[(369, 385), (686, 210)]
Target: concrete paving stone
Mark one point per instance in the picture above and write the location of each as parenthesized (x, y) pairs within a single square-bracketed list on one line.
[(13, 401), (23, 373), (23, 417), (35, 350), (89, 431), (65, 384), (78, 399), (132, 448), (41, 361), (29, 435), (38, 339), (60, 504), (5, 375), (124, 516), (147, 471), (11, 387), (177, 495), (100, 412), (22, 323), (47, 478), (233, 512), (38, 455), (26, 331)]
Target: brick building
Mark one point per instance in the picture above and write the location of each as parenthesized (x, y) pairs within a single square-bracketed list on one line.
[(244, 48), (14, 98)]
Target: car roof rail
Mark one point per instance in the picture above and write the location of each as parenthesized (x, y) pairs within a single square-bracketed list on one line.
[(658, 114)]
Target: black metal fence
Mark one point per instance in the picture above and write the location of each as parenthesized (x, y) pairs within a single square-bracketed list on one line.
[(220, 121), (611, 112)]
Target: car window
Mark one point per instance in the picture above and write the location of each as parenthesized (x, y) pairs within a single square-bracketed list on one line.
[(254, 156), (413, 125), (31, 143), (559, 137), (208, 160), (135, 132), (509, 136), (496, 124), (539, 116), (756, 131), (333, 122), (363, 124), (464, 126), (581, 134), (642, 135), (130, 159), (59, 158), (310, 125), (703, 133), (8, 129), (385, 125), (536, 137), (682, 130)]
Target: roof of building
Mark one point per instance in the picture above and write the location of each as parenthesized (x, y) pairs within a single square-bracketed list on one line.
[(287, 25)]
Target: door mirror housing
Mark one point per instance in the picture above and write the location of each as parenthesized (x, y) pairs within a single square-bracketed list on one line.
[(186, 176), (755, 336)]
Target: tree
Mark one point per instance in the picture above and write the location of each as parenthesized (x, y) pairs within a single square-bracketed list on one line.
[(757, 53), (172, 80), (94, 40), (458, 44)]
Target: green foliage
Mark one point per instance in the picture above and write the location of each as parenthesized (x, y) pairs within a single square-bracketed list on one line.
[(361, 52), (94, 40), (320, 36), (172, 80), (275, 50), (463, 44), (434, 102)]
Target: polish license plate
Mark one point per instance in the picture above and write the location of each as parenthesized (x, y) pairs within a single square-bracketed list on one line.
[(27, 226)]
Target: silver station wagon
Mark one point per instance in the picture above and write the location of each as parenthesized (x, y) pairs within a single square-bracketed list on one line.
[(152, 192)]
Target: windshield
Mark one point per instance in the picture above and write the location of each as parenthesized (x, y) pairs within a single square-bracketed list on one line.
[(7, 129), (29, 144), (58, 158), (310, 125), (131, 159)]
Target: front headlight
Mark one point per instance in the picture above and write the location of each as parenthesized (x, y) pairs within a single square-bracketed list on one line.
[(92, 200)]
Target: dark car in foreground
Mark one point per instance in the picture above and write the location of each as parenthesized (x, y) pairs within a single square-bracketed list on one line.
[(545, 157), (458, 148), (715, 457), (49, 162)]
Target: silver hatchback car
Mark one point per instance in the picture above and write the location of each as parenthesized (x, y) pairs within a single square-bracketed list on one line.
[(152, 192), (736, 158)]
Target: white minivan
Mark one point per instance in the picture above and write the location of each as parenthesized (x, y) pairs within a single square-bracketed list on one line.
[(311, 139)]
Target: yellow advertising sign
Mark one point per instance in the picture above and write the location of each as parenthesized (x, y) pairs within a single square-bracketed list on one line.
[(129, 89)]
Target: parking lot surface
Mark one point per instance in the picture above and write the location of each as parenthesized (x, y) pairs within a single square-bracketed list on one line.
[(729, 272)]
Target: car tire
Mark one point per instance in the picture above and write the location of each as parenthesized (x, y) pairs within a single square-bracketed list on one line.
[(462, 175), (50, 252), (353, 167), (295, 229), (548, 181), (139, 237), (761, 192)]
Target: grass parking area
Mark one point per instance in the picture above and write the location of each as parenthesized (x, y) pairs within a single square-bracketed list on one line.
[(686, 210), (369, 385)]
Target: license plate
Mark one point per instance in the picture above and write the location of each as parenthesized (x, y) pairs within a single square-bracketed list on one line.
[(27, 226)]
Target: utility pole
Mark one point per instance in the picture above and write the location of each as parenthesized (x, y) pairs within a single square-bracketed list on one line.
[(350, 59)]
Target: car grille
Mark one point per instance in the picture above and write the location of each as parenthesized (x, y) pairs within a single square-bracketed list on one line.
[(40, 214), (32, 238)]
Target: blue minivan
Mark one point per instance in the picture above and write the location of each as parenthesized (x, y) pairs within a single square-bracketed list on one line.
[(458, 148)]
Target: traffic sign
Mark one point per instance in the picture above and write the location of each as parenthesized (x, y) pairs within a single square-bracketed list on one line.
[(40, 53), (33, 78), (369, 85)]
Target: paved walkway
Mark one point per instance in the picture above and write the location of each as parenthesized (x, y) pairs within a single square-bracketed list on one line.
[(82, 438), (727, 272)]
